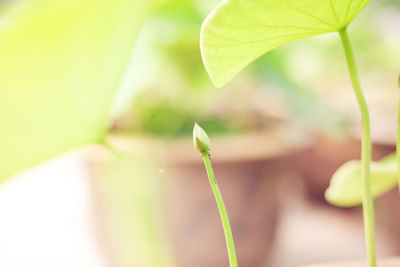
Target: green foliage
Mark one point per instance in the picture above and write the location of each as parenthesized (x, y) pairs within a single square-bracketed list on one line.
[(154, 113), (61, 64), (345, 187), (239, 31)]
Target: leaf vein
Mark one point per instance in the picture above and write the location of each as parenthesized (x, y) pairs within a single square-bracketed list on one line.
[(298, 11), (274, 26), (357, 10), (334, 11), (347, 11), (284, 37)]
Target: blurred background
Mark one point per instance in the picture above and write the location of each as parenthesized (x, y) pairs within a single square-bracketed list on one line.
[(278, 132)]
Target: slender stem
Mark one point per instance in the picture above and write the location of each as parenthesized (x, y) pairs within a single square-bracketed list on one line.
[(222, 212), (368, 205), (398, 143)]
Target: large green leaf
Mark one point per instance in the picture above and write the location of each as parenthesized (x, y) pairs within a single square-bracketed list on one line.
[(239, 31), (61, 62), (345, 187)]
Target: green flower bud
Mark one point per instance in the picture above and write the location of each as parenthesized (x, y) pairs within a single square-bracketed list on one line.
[(200, 139)]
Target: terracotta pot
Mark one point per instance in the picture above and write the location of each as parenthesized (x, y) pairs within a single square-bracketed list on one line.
[(381, 263), (249, 193), (247, 169), (387, 214)]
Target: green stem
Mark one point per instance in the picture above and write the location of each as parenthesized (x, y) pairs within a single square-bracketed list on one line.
[(368, 205), (398, 144), (222, 212)]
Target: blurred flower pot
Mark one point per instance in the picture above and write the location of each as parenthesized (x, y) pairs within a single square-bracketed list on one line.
[(247, 167), (387, 218), (381, 263)]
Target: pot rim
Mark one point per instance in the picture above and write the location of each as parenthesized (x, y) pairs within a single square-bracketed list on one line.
[(266, 144)]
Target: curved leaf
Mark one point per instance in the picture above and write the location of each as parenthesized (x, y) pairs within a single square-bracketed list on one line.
[(345, 187), (61, 63), (239, 31)]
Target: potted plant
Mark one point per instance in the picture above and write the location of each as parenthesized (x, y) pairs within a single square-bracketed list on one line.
[(238, 31), (247, 171), (158, 125)]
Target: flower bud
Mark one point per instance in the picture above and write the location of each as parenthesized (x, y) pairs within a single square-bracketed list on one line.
[(200, 139)]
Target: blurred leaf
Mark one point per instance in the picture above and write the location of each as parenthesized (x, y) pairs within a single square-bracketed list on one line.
[(239, 31), (345, 187), (61, 62)]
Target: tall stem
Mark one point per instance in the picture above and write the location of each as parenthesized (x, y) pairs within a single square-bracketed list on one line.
[(398, 140), (368, 205), (398, 146), (222, 212)]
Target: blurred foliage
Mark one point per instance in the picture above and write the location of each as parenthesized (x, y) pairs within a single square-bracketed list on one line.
[(61, 64), (171, 120), (162, 113), (273, 68)]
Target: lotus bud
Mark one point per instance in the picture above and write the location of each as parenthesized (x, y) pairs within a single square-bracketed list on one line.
[(200, 140)]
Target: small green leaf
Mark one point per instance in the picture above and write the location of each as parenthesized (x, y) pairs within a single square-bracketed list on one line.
[(239, 31), (345, 187), (61, 63)]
